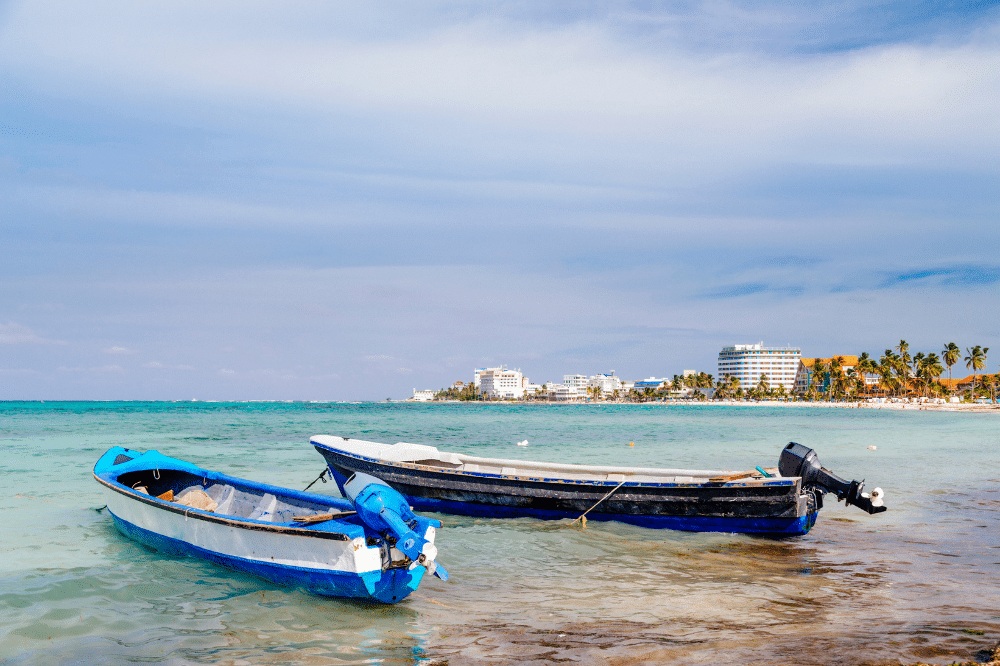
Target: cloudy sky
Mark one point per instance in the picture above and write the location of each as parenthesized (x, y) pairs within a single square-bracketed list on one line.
[(347, 200)]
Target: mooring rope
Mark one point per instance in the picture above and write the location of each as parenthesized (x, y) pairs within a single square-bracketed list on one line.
[(321, 477), (583, 517)]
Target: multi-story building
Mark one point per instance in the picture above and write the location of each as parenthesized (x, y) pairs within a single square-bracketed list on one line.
[(748, 362), (576, 382), (607, 383), (478, 374), (422, 396), (502, 383)]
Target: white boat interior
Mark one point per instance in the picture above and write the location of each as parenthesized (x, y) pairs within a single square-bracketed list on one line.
[(225, 499), (430, 456)]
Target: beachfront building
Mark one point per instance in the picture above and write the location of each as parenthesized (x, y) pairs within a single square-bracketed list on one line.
[(422, 396), (576, 382), (607, 383), (803, 378), (748, 362), (531, 389), (502, 383), (478, 373), (651, 382), (564, 393)]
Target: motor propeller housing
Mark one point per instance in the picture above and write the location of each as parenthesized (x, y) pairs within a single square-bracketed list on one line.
[(801, 461)]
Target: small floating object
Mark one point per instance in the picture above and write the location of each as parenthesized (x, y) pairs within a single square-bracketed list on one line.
[(631, 443), (872, 447), (370, 546), (524, 443)]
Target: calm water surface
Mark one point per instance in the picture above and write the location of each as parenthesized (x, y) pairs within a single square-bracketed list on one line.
[(920, 582)]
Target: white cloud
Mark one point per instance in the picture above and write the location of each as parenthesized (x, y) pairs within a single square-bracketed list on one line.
[(157, 365), (98, 369), (14, 334), (119, 351), (226, 372), (881, 103)]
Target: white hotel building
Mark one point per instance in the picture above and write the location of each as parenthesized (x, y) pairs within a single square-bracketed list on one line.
[(749, 362), (500, 382)]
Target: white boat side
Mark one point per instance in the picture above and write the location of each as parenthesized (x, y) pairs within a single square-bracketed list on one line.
[(421, 454), (229, 538)]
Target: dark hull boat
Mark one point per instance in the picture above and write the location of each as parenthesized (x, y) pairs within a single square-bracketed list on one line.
[(369, 547), (779, 502)]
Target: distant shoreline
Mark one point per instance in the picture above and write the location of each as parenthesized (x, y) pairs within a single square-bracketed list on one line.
[(911, 407)]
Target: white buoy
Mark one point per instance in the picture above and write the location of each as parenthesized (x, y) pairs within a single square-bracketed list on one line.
[(524, 443)]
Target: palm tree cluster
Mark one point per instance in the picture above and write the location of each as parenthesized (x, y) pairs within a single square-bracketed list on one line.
[(897, 373)]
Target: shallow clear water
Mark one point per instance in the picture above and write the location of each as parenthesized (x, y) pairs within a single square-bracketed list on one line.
[(920, 582)]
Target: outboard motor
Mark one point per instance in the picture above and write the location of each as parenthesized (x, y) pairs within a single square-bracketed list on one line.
[(799, 460), (388, 512)]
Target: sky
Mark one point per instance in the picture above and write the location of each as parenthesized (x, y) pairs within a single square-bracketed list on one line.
[(350, 200)]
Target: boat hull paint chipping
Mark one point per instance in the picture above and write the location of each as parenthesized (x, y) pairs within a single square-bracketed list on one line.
[(775, 507)]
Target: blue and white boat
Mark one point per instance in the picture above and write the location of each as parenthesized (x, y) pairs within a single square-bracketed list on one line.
[(370, 546), (781, 501)]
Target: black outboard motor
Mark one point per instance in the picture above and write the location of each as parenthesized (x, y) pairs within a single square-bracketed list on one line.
[(798, 460)]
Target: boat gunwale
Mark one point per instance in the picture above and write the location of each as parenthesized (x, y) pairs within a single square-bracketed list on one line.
[(207, 516), (738, 483)]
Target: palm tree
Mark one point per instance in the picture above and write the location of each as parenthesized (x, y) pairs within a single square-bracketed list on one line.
[(780, 392), (976, 360), (917, 364), (950, 355), (763, 386), (993, 381), (931, 368), (889, 367), (733, 386), (903, 363), (838, 380), (817, 376), (866, 366)]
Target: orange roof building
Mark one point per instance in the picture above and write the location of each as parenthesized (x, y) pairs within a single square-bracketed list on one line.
[(952, 384), (804, 374)]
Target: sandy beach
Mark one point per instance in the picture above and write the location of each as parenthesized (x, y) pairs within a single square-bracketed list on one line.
[(907, 406), (913, 406)]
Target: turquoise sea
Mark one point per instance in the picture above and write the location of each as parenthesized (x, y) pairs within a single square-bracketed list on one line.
[(918, 583)]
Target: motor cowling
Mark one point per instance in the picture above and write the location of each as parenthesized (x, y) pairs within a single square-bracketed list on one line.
[(388, 512), (801, 461)]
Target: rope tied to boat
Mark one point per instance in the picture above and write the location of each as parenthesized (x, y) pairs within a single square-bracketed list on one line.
[(583, 517), (321, 477)]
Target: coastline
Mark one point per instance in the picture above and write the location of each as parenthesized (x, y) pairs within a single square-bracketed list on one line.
[(922, 407)]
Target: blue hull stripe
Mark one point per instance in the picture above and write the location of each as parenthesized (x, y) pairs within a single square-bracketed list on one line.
[(387, 586), (765, 526)]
